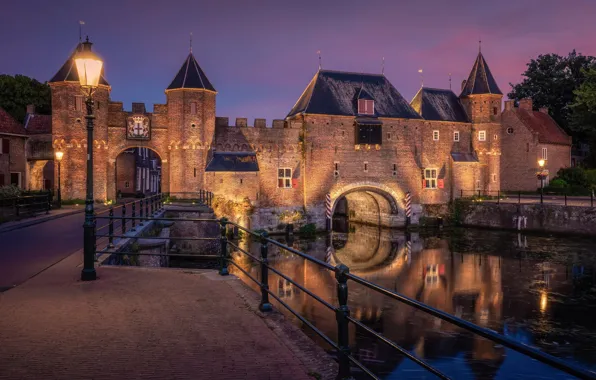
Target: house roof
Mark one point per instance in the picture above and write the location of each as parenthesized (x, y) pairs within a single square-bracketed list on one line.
[(464, 157), (233, 162), (8, 124), (480, 80), (68, 71), (38, 124), (336, 93), (191, 75), (439, 104), (544, 126)]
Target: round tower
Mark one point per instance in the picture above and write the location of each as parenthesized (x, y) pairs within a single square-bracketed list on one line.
[(191, 116), (69, 133)]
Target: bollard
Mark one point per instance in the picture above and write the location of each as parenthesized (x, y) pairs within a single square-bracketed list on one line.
[(133, 216), (223, 254), (341, 316), (123, 219), (111, 227), (265, 305)]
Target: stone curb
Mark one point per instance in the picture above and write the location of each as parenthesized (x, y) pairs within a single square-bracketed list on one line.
[(38, 221)]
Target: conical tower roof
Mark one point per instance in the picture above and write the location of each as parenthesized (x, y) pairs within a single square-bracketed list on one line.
[(480, 81), (68, 71), (191, 75)]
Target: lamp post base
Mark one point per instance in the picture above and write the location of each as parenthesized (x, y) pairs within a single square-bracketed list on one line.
[(88, 275)]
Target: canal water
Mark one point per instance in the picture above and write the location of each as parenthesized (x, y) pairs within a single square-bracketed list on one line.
[(539, 290)]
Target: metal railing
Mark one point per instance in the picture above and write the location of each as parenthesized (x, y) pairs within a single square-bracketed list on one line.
[(500, 196), (342, 311), (26, 205), (202, 197)]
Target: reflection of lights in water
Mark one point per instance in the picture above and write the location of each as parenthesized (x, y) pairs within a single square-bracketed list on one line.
[(543, 301)]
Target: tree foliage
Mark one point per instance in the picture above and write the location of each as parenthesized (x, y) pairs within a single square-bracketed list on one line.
[(16, 92), (551, 81), (584, 107)]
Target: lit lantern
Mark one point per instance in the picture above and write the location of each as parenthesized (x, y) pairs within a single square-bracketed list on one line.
[(89, 66)]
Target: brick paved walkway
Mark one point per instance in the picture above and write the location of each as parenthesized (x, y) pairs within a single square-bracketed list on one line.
[(136, 324)]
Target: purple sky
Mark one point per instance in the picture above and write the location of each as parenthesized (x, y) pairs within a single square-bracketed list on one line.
[(260, 55)]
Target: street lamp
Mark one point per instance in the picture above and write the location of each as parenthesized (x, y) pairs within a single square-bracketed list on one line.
[(89, 67), (541, 164), (59, 156)]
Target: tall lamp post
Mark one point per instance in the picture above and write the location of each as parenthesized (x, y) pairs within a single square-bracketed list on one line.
[(59, 156), (89, 68), (541, 164)]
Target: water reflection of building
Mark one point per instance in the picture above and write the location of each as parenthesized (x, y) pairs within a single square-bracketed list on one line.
[(470, 285)]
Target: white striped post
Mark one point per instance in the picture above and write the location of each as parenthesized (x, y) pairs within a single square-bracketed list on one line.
[(328, 254), (408, 201), (328, 210)]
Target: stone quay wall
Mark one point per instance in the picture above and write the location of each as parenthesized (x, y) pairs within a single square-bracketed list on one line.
[(524, 217)]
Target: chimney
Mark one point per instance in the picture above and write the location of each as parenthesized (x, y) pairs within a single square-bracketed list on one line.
[(525, 104), (544, 110), (509, 105), (31, 108)]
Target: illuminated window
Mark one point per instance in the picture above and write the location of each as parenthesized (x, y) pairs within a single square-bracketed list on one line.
[(366, 107), (436, 135), (456, 136), (482, 136), (284, 178), (544, 155), (430, 178)]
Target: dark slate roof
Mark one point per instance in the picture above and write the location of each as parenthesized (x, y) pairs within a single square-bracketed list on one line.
[(439, 104), (480, 81), (9, 124), (336, 93), (464, 157), (233, 162), (544, 126), (191, 75), (68, 71)]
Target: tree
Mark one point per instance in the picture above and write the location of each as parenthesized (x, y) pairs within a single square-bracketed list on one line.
[(583, 118), (19, 91), (551, 81)]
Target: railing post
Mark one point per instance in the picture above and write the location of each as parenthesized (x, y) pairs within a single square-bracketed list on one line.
[(498, 196), (123, 222), (565, 199), (592, 198), (265, 305), (341, 316), (147, 209), (223, 254), (519, 197), (49, 203), (133, 216), (141, 212), (111, 228), (461, 193)]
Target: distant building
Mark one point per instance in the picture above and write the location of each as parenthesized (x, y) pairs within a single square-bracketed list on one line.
[(529, 136), (13, 161), (40, 152), (138, 170), (579, 152)]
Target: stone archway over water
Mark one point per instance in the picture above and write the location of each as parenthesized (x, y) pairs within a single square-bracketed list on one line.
[(371, 204)]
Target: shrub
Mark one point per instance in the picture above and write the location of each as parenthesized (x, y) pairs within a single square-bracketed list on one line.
[(575, 176), (309, 229), (9, 191), (558, 183)]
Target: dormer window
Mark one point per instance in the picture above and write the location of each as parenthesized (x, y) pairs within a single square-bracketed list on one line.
[(366, 107)]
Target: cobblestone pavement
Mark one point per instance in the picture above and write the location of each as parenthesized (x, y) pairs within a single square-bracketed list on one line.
[(135, 323)]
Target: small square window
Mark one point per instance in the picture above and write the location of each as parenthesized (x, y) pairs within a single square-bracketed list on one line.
[(127, 184), (366, 107), (509, 131), (436, 135), (482, 136), (456, 136), (365, 166)]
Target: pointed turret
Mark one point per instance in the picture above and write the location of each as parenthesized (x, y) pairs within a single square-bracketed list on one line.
[(191, 76), (68, 71), (481, 80)]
